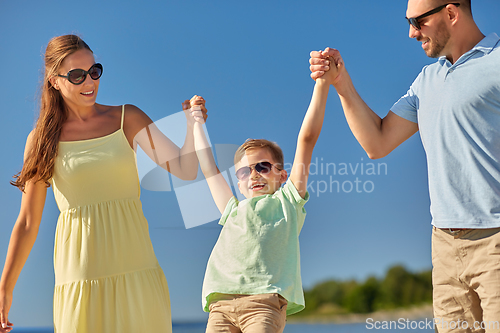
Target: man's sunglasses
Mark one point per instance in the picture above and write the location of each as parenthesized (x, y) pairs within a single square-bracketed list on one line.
[(414, 20), (262, 168), (78, 76)]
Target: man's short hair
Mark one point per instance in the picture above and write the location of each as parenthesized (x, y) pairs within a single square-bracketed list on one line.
[(464, 4), (272, 147)]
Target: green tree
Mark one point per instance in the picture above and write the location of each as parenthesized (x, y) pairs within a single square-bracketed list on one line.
[(399, 288), (394, 288), (362, 299)]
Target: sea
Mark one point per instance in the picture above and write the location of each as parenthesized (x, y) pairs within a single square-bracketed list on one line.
[(387, 326)]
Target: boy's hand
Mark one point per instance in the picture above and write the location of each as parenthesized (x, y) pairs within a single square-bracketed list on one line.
[(327, 65), (196, 109), (319, 64), (330, 75)]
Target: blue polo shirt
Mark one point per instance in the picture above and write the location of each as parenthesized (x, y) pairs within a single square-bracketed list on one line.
[(457, 108)]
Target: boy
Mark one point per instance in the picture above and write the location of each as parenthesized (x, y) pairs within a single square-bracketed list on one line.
[(252, 280)]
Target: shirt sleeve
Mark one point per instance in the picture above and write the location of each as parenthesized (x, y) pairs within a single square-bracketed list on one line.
[(290, 192), (231, 205), (406, 107)]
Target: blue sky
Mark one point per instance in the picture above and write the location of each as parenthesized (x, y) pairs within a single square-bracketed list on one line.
[(250, 62)]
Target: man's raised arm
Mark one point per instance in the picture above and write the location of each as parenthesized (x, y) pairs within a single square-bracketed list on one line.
[(377, 136)]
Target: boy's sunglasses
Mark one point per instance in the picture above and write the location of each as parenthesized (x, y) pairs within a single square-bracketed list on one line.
[(262, 168), (78, 76), (414, 20)]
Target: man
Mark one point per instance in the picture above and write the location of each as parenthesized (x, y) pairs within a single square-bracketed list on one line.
[(455, 104)]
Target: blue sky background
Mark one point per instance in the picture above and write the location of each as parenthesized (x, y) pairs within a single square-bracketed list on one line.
[(250, 62)]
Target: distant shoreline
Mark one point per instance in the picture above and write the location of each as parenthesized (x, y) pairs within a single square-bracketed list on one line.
[(413, 313)]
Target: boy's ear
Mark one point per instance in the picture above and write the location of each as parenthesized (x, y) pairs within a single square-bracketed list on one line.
[(284, 176), (239, 188)]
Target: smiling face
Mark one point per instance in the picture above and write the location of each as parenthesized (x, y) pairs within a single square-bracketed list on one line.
[(259, 184), (434, 33), (81, 95)]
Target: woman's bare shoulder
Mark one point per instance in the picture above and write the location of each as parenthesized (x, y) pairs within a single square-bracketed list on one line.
[(134, 121), (136, 115)]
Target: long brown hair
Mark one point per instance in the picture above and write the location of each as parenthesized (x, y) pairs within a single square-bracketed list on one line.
[(39, 162)]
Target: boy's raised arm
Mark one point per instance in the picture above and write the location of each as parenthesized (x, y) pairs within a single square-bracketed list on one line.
[(221, 192), (309, 133)]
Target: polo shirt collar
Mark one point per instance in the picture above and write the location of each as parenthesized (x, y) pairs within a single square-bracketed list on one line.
[(486, 45)]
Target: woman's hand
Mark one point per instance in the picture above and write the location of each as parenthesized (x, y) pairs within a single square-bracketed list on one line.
[(5, 304)]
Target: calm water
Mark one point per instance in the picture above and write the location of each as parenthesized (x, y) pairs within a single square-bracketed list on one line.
[(290, 328)]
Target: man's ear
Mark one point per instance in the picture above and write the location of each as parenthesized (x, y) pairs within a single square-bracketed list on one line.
[(453, 14)]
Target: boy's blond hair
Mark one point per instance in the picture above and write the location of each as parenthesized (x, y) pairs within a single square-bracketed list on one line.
[(271, 146)]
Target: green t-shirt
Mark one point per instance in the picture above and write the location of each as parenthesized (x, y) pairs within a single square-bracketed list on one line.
[(258, 248)]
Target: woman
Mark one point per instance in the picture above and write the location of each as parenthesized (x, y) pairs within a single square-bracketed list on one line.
[(107, 276)]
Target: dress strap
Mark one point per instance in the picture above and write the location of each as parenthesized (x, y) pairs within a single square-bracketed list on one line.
[(153, 145), (123, 116)]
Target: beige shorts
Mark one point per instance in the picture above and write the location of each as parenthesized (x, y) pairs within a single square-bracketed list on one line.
[(263, 313), (466, 280)]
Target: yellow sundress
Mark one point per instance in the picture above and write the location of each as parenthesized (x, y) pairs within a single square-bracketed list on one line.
[(107, 277)]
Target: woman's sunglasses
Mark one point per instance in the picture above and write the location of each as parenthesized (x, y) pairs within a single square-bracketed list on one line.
[(262, 168), (78, 76)]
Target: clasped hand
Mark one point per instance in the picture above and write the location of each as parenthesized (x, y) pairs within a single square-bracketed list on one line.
[(327, 61), (196, 107)]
